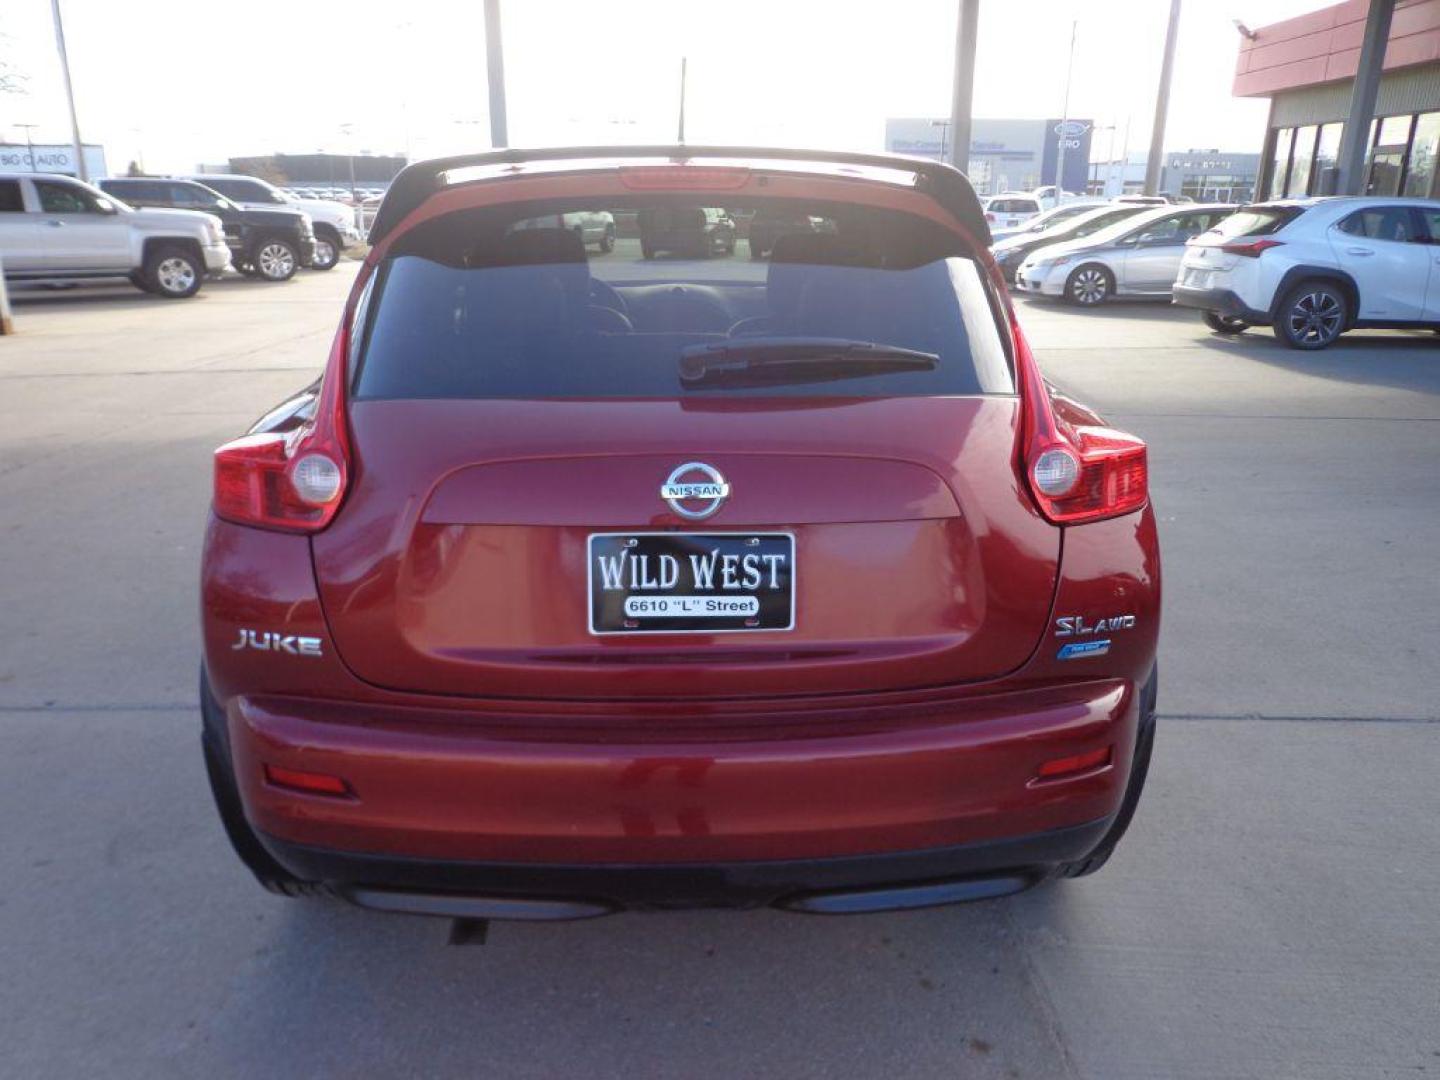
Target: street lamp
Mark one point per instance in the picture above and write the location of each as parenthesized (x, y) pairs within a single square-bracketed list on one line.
[(29, 144), (944, 126)]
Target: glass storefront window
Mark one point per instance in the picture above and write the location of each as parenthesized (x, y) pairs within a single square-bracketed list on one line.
[(1280, 162), (1299, 182), (1387, 158), (1423, 148), (1327, 156)]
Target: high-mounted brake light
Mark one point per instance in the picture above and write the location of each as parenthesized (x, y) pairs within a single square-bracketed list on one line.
[(684, 177), (295, 481), (1075, 474), (1251, 249)]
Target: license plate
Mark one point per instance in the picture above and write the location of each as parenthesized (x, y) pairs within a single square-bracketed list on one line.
[(1197, 279), (677, 583)]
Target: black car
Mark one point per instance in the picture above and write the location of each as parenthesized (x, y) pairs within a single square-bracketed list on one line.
[(1010, 252), (268, 244), (769, 225), (696, 232)]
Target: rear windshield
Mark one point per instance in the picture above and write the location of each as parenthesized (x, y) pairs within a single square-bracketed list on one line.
[(672, 298), (1256, 221)]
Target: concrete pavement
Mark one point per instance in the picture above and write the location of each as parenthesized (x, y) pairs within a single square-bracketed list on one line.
[(1271, 915)]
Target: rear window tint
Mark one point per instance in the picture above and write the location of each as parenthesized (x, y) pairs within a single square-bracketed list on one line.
[(529, 302), (1257, 221)]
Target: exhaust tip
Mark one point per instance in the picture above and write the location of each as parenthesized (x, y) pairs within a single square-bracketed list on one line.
[(464, 907), (908, 897)]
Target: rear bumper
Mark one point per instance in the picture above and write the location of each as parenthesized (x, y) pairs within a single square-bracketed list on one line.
[(1221, 301), (445, 787), (844, 885)]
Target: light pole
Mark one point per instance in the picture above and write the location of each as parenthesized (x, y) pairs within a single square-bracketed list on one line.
[(80, 170), (944, 126), (1064, 131), (1156, 159), (29, 144)]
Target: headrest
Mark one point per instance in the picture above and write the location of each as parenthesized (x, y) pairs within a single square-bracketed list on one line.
[(529, 247), (792, 263)]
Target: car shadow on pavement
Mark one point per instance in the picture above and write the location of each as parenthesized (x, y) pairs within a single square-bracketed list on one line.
[(704, 993), (1403, 360), (1123, 309)]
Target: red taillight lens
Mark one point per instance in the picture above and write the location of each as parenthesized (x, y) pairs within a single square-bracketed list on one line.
[(1075, 474), (291, 482), (308, 782), (1111, 477), (1251, 249), (1076, 763)]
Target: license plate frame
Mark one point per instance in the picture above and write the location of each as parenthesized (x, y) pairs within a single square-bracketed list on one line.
[(607, 614)]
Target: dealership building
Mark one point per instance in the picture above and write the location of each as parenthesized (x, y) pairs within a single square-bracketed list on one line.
[(1201, 175), (1005, 155), (1306, 67), (52, 158)]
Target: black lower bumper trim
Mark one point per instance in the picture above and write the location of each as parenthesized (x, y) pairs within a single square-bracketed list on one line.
[(1221, 301), (873, 882)]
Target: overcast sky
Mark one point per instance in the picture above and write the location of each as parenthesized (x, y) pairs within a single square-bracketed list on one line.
[(202, 80)]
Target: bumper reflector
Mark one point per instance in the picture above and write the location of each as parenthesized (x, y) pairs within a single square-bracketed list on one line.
[(1076, 763), (307, 782)]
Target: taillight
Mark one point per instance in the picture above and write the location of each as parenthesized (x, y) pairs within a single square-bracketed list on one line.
[(1075, 473), (1251, 249), (293, 482), (1107, 475)]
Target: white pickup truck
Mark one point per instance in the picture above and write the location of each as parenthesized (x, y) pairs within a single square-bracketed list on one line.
[(55, 229)]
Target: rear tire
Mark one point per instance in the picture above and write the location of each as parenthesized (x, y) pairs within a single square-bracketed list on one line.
[(173, 272), (215, 743), (1089, 285), (1224, 324), (607, 242), (1139, 769), (1312, 315)]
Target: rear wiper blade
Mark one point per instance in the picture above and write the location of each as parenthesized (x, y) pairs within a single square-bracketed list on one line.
[(786, 359)]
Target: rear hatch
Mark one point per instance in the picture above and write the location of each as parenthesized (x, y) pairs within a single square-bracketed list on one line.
[(1219, 250), (507, 464)]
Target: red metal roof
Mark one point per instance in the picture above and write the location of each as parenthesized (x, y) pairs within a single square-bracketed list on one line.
[(1324, 46)]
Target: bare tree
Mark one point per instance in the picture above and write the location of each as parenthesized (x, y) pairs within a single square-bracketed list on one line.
[(12, 79)]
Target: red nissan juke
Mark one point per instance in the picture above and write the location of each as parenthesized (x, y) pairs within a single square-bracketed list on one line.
[(596, 580)]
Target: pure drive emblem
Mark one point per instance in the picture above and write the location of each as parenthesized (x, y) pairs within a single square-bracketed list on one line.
[(700, 486)]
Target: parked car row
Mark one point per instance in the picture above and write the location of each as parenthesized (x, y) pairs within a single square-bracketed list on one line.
[(1310, 269), (165, 234), (56, 230)]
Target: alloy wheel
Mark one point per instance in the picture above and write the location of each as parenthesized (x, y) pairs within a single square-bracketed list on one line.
[(276, 261), (1089, 285), (175, 274), (325, 253), (1315, 318)]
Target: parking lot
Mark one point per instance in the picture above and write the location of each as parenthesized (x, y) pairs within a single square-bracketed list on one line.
[(1272, 914)]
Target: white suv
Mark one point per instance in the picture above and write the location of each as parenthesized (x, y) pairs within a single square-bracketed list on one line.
[(1313, 268), (54, 229), (1010, 209)]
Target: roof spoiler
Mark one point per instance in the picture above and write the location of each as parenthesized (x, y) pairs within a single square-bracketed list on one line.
[(944, 183)]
